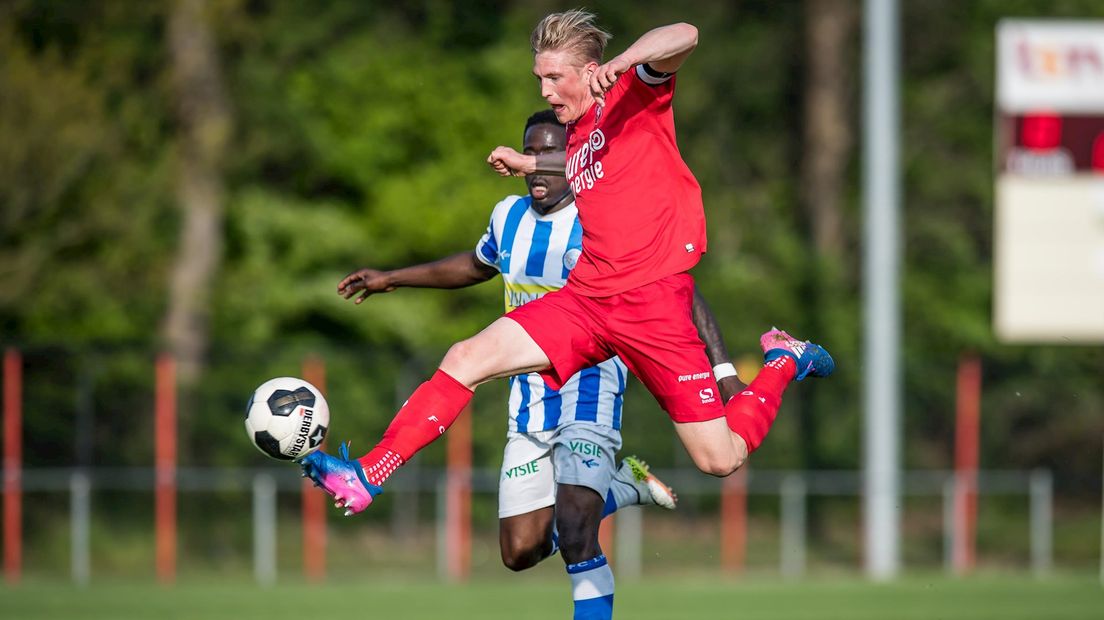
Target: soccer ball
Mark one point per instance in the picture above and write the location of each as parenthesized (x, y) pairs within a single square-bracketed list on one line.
[(286, 418)]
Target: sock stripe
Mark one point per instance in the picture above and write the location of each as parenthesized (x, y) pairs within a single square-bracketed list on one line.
[(592, 588), (600, 608), (591, 564), (611, 503)]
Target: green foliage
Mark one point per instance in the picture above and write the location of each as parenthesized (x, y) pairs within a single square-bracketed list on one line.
[(361, 131)]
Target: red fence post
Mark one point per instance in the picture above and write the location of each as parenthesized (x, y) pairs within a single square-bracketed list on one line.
[(458, 458), (967, 423), (314, 501), (734, 521), (607, 534), (165, 467), (13, 465)]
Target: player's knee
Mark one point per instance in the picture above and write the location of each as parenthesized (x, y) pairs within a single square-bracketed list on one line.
[(578, 540), (578, 546), (518, 556), (720, 465), (465, 362), (517, 561), (461, 354)]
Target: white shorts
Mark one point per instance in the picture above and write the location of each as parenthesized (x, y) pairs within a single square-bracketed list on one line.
[(579, 453)]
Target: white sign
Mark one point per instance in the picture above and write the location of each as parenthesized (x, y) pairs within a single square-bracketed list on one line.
[(1050, 65), (1049, 260)]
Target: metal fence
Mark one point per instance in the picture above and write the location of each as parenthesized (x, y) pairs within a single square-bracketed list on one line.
[(701, 495)]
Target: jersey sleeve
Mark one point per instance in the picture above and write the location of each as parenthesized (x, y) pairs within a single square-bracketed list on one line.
[(644, 87), (486, 249)]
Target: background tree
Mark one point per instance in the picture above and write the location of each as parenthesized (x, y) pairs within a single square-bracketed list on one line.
[(204, 129), (352, 134)]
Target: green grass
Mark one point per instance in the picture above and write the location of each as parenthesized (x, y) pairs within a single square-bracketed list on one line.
[(514, 598)]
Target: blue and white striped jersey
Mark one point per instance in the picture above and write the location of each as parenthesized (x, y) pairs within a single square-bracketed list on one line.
[(535, 254)]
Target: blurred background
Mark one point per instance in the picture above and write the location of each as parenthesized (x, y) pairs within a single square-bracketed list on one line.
[(190, 179)]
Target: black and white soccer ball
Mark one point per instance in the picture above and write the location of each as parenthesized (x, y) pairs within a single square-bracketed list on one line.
[(287, 418)]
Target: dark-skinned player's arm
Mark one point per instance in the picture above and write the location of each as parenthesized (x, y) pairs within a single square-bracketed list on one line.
[(456, 271), (710, 334)]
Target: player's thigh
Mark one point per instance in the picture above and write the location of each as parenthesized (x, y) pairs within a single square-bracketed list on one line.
[(502, 349), (656, 338), (526, 493), (578, 517), (713, 447), (566, 326), (584, 455), (526, 538)]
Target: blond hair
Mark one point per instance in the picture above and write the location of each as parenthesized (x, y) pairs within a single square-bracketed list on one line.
[(572, 30)]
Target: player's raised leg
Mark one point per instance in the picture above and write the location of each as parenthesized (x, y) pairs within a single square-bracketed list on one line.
[(660, 344), (635, 485), (750, 414), (526, 496), (500, 350), (526, 539)]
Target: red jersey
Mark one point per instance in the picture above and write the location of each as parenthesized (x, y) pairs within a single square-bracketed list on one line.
[(639, 205)]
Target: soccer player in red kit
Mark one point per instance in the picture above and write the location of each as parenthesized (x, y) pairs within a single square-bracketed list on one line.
[(629, 294)]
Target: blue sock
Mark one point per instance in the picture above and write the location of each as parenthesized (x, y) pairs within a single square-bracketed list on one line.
[(555, 542), (611, 504), (592, 589)]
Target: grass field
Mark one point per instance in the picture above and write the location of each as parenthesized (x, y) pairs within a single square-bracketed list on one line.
[(513, 599)]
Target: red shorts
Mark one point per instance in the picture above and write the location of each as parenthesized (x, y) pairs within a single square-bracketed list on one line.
[(649, 327)]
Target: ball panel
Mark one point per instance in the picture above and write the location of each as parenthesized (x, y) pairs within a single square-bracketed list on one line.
[(269, 445), (284, 402), (316, 437), (282, 427)]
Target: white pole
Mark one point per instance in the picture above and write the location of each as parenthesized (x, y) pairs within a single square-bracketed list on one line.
[(80, 514), (793, 526), (1042, 528), (960, 537), (881, 290), (264, 529), (442, 527), (949, 507), (629, 535)]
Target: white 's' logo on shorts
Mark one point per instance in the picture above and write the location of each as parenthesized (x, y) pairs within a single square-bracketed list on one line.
[(706, 395)]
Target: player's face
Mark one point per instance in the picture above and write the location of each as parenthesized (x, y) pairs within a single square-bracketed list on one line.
[(547, 191), (564, 83)]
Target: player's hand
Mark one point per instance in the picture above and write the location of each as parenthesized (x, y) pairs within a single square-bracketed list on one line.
[(365, 281), (605, 76), (509, 163)]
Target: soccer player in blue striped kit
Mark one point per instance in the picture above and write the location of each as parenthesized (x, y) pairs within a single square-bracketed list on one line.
[(558, 463)]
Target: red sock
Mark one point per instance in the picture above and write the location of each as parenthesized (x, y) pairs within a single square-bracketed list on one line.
[(431, 409), (751, 413)]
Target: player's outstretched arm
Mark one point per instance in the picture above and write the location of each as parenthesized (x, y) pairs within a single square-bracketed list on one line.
[(663, 49), (509, 163), (715, 349), (456, 271)]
